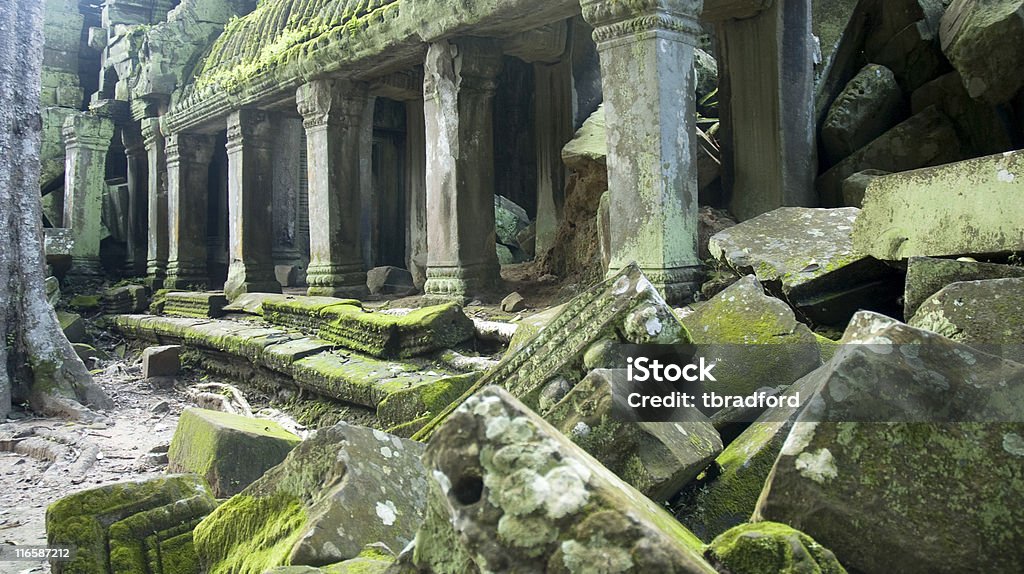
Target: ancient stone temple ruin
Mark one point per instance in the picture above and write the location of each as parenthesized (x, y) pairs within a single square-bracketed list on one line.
[(363, 278)]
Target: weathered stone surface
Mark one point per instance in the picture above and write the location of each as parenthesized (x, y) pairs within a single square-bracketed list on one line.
[(192, 304), (988, 315), (515, 495), (903, 415), (656, 458), (304, 313), (289, 275), (389, 280), (125, 299), (770, 548), (396, 335), (969, 207), (627, 302), (163, 361), (73, 326), (726, 495), (927, 275), (229, 451), (866, 108), (531, 325), (985, 42), (926, 139), (341, 489), (855, 186), (513, 303), (982, 131), (806, 256), (755, 338), (509, 220), (131, 526), (903, 37)]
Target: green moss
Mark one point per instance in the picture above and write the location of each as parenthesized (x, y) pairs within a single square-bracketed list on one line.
[(426, 398), (771, 548), (85, 303), (250, 534)]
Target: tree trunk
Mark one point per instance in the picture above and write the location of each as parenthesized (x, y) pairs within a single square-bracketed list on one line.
[(37, 363)]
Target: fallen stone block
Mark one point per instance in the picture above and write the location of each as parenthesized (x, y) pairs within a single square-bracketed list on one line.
[(515, 495), (656, 458), (85, 303), (73, 326), (927, 275), (338, 491), (131, 526), (389, 280), (983, 40), (428, 398), (193, 304), (125, 299), (866, 108), (808, 258), (982, 130), (903, 38), (917, 437), (229, 451), (163, 361), (855, 186), (770, 548), (513, 303), (383, 334), (968, 207), (509, 220), (303, 313), (528, 327)]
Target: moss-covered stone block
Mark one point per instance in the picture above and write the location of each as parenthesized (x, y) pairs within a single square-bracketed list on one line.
[(131, 527), (340, 490), (927, 275), (85, 303), (303, 313), (73, 327), (771, 548), (387, 335), (429, 397), (528, 328), (194, 304), (230, 451)]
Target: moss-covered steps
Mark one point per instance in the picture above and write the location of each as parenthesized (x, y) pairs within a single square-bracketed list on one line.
[(409, 388)]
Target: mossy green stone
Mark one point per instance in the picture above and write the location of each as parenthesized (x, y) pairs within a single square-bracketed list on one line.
[(771, 548)]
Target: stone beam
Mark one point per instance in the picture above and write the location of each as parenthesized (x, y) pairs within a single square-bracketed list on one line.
[(250, 193), (458, 90), (334, 112), (188, 167), (646, 50), (720, 10), (86, 141)]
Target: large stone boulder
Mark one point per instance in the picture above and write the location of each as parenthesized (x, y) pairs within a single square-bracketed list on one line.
[(910, 459), (984, 39), (130, 526), (982, 130), (515, 495), (866, 108), (904, 38), (927, 275), (969, 207), (756, 339), (770, 548), (341, 489), (230, 451), (807, 257), (988, 315)]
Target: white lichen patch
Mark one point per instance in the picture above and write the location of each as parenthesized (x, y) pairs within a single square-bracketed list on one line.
[(1013, 443), (567, 492), (387, 512), (1005, 176), (598, 556), (818, 466), (798, 439)]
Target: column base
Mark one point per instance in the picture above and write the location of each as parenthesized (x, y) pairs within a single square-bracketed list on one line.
[(337, 280), (244, 279), (676, 284), (85, 267), (156, 273), (182, 275), (459, 283)]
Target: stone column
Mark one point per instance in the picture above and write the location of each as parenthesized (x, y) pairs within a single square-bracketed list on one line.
[(138, 203), (86, 141), (767, 104), (250, 201), (416, 192), (188, 171), (288, 261), (334, 112), (156, 241), (458, 89), (553, 109), (646, 50)]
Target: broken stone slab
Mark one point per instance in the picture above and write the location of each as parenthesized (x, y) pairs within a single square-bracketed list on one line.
[(926, 139), (987, 314), (304, 313), (528, 327), (927, 275), (806, 256), (656, 458), (726, 495), (509, 220), (982, 130), (512, 494), (389, 280), (338, 491), (770, 548), (229, 451), (281, 356), (252, 303), (513, 303), (968, 207), (388, 335), (627, 303), (73, 326), (755, 338), (194, 304), (983, 42), (902, 415), (130, 526), (405, 405), (125, 299), (904, 39), (163, 361), (855, 186), (866, 108)]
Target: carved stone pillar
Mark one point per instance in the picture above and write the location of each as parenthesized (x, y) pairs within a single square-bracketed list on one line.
[(458, 91), (646, 49), (86, 140), (416, 192), (188, 168), (334, 112), (138, 202), (156, 240)]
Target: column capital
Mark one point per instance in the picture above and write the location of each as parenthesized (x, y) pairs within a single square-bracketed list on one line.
[(476, 62), (88, 131), (189, 147), (331, 101), (614, 19), (134, 143), (249, 126), (151, 131)]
